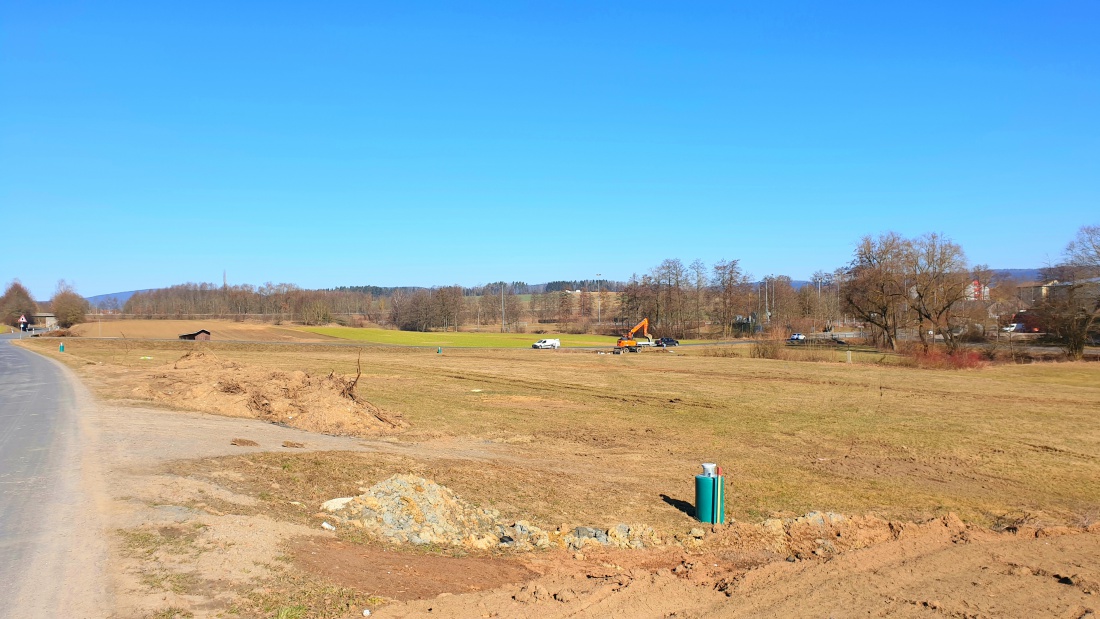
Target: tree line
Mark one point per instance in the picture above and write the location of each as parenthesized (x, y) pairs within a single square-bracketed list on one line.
[(922, 288), (67, 306)]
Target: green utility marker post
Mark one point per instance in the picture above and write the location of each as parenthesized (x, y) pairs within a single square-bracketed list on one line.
[(710, 495)]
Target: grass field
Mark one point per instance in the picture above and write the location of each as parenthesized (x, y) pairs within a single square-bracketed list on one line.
[(574, 436), (461, 339)]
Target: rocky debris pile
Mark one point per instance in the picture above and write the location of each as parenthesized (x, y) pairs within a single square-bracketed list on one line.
[(414, 510), (327, 404), (618, 536), (410, 509)]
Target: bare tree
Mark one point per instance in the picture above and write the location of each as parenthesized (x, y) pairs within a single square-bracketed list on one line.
[(876, 286), (697, 274), (16, 302), (729, 283), (1071, 308), (939, 283), (1083, 251), (69, 308)]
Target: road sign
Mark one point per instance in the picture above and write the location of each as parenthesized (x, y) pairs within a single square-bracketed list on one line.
[(23, 318)]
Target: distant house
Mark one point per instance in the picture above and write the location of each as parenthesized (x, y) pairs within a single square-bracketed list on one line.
[(977, 291), (43, 319), (201, 334)]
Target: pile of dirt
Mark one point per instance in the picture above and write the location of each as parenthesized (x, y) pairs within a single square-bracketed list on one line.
[(934, 568), (326, 404)]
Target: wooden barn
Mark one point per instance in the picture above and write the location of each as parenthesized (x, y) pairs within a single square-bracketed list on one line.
[(201, 334)]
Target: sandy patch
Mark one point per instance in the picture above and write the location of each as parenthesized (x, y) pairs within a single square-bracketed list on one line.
[(325, 404)]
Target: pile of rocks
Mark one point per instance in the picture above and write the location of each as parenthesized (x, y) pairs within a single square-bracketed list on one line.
[(619, 536), (414, 510), (410, 509)]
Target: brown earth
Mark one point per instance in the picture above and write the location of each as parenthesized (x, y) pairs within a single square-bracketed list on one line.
[(200, 380), (401, 575), (939, 569), (220, 330)]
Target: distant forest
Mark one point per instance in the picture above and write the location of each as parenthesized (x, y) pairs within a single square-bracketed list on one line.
[(681, 300)]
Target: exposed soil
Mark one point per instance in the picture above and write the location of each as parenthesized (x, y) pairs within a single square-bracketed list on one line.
[(329, 404), (402, 575), (220, 330), (929, 571)]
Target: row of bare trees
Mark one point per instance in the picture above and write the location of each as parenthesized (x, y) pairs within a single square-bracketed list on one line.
[(895, 286), (722, 300), (272, 301), (895, 283), (926, 285)]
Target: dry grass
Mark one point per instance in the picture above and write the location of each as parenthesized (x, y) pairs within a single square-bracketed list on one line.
[(600, 439), (220, 330)]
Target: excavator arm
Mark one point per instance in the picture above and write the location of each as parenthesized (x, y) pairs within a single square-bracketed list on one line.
[(643, 325), (627, 340)]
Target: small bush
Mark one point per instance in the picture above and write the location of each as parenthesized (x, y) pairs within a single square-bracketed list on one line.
[(765, 349), (939, 359)]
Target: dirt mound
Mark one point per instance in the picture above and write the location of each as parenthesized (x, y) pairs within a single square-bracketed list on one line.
[(935, 568), (327, 404), (815, 534)]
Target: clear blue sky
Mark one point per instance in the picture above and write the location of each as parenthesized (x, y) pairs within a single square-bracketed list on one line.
[(147, 144)]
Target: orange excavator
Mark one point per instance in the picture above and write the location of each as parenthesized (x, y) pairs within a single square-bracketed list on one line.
[(628, 342)]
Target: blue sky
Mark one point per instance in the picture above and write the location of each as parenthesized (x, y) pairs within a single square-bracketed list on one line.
[(147, 144)]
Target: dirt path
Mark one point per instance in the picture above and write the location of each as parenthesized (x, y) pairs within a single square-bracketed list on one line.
[(162, 532)]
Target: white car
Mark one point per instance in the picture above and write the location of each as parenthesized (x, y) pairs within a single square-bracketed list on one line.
[(547, 344), (797, 337)]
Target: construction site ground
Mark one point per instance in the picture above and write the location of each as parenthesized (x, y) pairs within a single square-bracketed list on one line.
[(948, 493)]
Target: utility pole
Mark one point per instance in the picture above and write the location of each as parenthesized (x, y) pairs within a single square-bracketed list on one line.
[(767, 309), (598, 318), (502, 307)]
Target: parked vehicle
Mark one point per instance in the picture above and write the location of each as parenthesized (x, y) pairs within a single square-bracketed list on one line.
[(797, 337), (667, 341), (1027, 322), (555, 344)]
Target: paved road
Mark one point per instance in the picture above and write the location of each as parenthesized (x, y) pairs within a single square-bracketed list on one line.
[(41, 498)]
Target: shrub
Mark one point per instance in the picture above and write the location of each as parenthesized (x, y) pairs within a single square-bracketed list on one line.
[(765, 349), (939, 359)]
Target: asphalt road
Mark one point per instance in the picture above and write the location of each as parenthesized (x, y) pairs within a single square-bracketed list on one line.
[(41, 496)]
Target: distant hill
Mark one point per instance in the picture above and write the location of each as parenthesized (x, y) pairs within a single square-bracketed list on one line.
[(104, 300), (1026, 275)]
